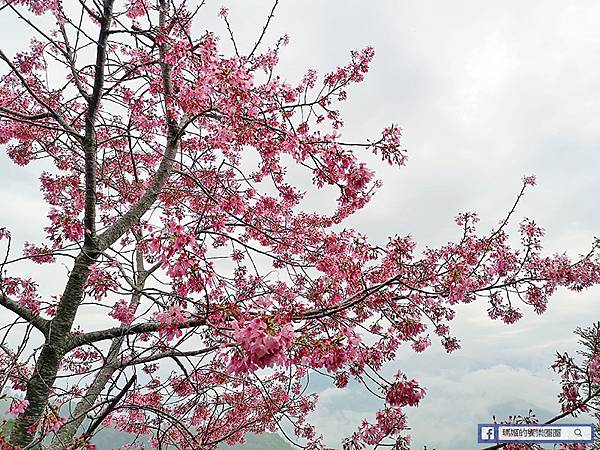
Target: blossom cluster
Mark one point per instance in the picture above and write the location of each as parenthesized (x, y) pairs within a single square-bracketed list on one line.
[(261, 345)]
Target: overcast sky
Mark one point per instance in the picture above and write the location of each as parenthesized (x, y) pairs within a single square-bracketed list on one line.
[(485, 92)]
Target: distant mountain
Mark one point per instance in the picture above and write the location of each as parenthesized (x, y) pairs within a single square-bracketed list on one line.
[(108, 439), (111, 439), (268, 441)]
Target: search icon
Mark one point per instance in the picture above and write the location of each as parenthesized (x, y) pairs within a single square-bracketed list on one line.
[(577, 432)]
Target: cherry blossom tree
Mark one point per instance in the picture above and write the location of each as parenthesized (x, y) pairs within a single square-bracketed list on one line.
[(216, 291)]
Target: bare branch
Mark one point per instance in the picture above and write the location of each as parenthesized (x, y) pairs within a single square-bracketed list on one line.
[(25, 313), (78, 340), (19, 115), (169, 354), (264, 30), (114, 402), (89, 143)]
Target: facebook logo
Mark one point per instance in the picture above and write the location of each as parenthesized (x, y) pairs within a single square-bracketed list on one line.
[(487, 433)]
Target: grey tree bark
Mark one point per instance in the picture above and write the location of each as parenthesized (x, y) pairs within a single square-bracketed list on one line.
[(59, 338), (103, 376)]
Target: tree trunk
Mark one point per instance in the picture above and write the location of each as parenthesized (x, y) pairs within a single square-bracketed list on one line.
[(86, 404), (53, 351)]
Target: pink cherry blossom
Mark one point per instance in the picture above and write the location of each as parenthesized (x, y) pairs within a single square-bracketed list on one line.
[(17, 407), (404, 393), (123, 312), (594, 369), (170, 321), (261, 345)]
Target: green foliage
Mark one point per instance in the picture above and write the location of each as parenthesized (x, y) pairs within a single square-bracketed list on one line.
[(5, 428)]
